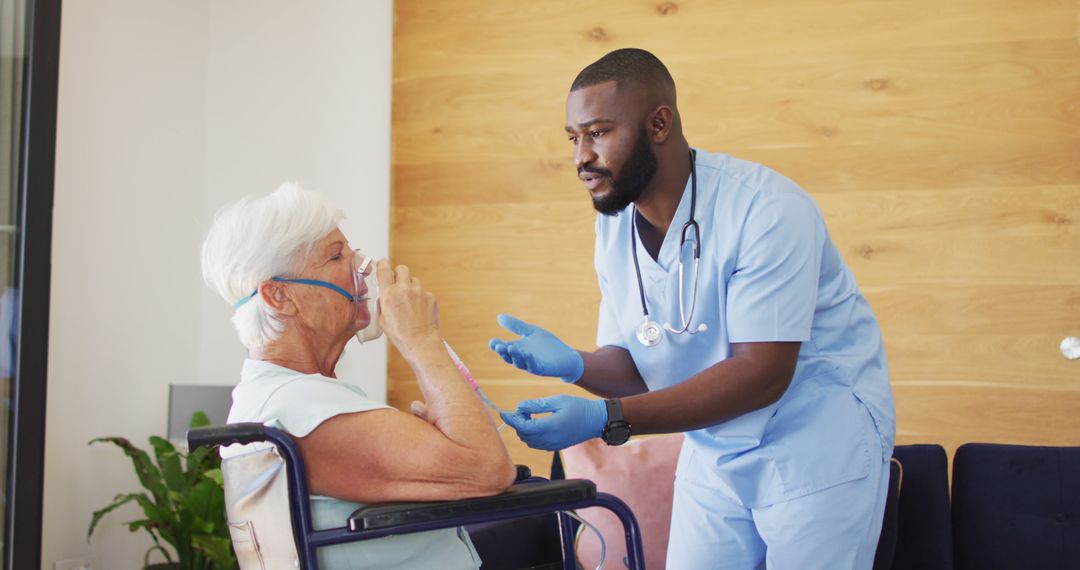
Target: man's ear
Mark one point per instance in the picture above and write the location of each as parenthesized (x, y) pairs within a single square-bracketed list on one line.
[(660, 124), (275, 296)]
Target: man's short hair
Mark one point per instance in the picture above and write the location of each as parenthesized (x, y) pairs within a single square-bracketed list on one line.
[(628, 67)]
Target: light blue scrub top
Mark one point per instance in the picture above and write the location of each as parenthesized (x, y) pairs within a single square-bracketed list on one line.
[(768, 272)]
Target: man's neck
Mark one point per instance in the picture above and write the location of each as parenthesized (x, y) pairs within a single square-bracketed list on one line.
[(659, 202)]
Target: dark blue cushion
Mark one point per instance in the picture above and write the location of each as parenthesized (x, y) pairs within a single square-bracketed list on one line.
[(1016, 506), (924, 532)]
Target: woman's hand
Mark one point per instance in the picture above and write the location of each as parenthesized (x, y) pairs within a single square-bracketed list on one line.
[(419, 409), (407, 313)]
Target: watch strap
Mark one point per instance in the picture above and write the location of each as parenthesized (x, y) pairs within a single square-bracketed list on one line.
[(614, 410)]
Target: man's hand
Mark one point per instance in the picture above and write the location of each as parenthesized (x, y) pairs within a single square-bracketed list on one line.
[(572, 421), (538, 351)]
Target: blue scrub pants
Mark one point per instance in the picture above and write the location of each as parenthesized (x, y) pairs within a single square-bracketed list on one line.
[(833, 529)]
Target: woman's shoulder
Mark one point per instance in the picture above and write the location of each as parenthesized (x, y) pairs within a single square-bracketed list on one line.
[(269, 392)]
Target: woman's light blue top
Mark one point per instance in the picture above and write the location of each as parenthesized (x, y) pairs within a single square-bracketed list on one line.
[(297, 403)]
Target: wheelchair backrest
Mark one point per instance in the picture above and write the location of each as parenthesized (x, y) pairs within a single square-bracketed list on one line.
[(257, 505)]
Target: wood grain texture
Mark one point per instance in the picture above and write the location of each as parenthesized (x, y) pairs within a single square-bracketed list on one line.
[(941, 141)]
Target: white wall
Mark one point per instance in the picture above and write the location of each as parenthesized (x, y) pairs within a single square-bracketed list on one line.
[(169, 109), (299, 93)]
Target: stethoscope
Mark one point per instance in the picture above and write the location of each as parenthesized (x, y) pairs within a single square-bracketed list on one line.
[(650, 333)]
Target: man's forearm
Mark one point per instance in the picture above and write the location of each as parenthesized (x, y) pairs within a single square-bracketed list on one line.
[(757, 375), (610, 373)]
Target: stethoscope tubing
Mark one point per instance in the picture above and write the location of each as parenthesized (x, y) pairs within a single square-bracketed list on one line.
[(689, 225)]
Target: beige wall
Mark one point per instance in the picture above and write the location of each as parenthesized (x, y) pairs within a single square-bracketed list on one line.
[(168, 110), (942, 141), (298, 92), (124, 293)]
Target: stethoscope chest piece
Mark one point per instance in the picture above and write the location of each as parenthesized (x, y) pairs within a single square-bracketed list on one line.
[(650, 333)]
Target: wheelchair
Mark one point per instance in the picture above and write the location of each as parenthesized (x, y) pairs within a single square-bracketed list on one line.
[(527, 497)]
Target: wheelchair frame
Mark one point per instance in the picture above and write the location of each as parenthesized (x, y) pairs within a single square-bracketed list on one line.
[(527, 497)]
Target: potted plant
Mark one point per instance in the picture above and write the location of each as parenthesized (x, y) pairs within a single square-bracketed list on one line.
[(183, 503)]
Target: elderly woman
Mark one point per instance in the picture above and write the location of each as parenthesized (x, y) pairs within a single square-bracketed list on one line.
[(291, 275)]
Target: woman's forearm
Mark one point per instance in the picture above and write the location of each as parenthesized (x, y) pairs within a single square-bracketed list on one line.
[(452, 406)]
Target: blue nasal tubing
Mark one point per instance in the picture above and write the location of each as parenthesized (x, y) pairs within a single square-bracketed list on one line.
[(314, 282)]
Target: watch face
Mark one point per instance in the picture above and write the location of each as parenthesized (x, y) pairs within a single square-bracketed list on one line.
[(617, 434)]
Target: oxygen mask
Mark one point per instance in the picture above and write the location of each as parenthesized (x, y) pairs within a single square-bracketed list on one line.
[(367, 291)]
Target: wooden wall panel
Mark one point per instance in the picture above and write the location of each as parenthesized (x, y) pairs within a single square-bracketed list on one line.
[(941, 140)]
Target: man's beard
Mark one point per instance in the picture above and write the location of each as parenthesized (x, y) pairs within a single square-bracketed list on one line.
[(638, 172)]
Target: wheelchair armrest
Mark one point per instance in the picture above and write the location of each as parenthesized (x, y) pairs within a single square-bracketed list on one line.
[(210, 436), (517, 496)]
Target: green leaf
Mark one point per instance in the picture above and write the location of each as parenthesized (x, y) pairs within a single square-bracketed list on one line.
[(145, 524), (119, 501), (216, 514), (199, 419), (165, 520), (201, 498), (218, 549), (198, 461), (169, 461), (215, 476), (148, 473)]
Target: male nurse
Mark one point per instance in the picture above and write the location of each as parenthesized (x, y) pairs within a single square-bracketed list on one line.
[(727, 313)]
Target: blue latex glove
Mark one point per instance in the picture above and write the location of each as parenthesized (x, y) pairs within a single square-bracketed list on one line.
[(538, 351), (572, 421)]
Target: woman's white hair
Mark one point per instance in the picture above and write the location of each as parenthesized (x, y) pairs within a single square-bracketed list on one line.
[(254, 239)]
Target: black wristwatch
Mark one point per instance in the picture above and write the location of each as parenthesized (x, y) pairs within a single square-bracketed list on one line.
[(617, 431)]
